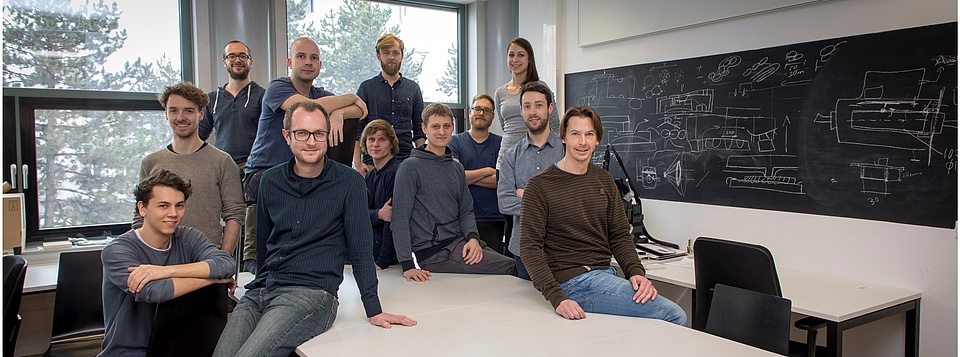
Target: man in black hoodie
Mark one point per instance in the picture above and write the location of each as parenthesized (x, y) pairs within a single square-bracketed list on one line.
[(433, 222)]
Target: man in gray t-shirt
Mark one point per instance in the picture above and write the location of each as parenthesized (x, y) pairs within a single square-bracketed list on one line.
[(154, 263)]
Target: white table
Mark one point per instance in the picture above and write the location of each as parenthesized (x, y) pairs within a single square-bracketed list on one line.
[(40, 278), (488, 315), (842, 302)]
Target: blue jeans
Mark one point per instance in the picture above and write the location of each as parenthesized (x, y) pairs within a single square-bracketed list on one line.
[(603, 291), (274, 322)]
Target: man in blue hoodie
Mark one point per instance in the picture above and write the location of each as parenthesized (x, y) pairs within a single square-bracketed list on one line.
[(433, 222)]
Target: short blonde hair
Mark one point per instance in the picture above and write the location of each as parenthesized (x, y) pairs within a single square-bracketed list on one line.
[(436, 109), (389, 40)]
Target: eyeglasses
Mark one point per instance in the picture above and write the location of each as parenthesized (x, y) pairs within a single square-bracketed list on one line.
[(234, 56), (482, 110), (303, 135)]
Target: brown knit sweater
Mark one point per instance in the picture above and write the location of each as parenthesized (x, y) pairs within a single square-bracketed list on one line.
[(570, 224)]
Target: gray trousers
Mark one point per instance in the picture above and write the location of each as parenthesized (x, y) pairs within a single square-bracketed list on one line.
[(450, 260)]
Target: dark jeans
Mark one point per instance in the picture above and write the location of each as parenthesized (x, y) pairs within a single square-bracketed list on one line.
[(492, 234)]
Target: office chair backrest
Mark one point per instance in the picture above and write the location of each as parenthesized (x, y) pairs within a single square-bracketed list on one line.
[(14, 271), (741, 265), (78, 305), (749, 317), (189, 325)]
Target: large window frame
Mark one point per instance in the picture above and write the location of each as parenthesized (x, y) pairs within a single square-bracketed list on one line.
[(459, 106), (19, 134)]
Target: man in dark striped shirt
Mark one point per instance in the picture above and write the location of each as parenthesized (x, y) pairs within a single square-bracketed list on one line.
[(572, 222), (311, 216)]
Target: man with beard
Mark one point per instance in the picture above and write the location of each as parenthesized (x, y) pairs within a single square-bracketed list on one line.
[(540, 149), (212, 173), (391, 97), (477, 151), (311, 217), (269, 147), (234, 110)]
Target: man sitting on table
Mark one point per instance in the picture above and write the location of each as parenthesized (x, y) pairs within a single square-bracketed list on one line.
[(433, 210), (157, 262), (572, 222), (311, 214)]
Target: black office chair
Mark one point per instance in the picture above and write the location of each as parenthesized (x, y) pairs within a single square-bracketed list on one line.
[(14, 272), (749, 317), (78, 306), (189, 325), (745, 266)]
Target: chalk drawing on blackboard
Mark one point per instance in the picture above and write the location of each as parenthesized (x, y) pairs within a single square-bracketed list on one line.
[(723, 69), (891, 112), (877, 176), (764, 172), (826, 52)]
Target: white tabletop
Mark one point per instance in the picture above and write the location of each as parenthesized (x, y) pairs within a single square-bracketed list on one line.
[(487, 315), (41, 277), (827, 297)]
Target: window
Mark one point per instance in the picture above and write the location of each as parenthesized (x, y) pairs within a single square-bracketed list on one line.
[(80, 108), (431, 36), (118, 46)]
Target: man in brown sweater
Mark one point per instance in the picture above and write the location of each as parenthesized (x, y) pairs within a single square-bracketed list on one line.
[(571, 222)]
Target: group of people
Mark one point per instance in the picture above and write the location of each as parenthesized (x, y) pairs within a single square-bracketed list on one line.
[(527, 203)]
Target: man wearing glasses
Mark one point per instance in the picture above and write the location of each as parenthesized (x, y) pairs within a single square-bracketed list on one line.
[(269, 147), (477, 151), (234, 111), (311, 216)]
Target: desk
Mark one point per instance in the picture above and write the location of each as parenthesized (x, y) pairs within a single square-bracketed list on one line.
[(40, 278), (490, 315), (842, 302)]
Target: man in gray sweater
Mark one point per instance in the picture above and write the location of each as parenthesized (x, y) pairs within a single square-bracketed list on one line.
[(212, 173), (433, 222), (157, 262)]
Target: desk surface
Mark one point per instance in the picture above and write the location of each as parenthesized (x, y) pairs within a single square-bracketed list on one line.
[(827, 297), (489, 315)]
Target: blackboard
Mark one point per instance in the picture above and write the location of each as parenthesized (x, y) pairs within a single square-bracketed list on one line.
[(862, 126)]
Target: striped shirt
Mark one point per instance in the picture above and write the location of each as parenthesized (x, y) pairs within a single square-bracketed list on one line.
[(571, 224)]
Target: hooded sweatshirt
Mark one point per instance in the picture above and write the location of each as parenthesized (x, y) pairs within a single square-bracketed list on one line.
[(431, 206)]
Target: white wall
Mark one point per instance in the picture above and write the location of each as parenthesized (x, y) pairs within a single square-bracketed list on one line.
[(912, 257)]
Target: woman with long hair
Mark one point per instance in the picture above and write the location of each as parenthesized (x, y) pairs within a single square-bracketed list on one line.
[(523, 70)]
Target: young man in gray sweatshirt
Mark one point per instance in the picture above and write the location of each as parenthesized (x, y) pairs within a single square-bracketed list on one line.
[(154, 263), (433, 222)]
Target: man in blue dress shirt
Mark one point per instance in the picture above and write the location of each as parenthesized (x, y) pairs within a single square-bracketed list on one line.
[(391, 97), (311, 216)]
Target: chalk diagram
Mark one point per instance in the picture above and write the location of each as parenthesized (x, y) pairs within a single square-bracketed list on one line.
[(674, 133), (861, 126), (893, 113)]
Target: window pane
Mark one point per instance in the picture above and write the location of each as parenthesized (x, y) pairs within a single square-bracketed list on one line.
[(88, 163), (122, 45), (430, 35)]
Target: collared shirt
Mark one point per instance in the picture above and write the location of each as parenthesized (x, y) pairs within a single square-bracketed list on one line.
[(235, 119), (400, 105), (269, 148), (307, 227), (517, 166)]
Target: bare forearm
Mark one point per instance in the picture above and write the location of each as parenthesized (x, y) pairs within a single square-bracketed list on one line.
[(231, 235), (200, 270), (488, 182)]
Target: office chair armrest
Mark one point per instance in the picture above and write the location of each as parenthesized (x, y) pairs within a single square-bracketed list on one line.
[(810, 323)]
